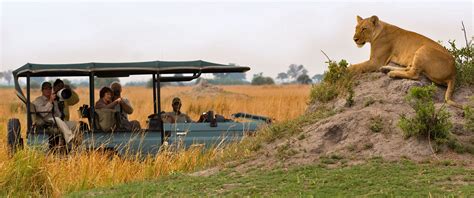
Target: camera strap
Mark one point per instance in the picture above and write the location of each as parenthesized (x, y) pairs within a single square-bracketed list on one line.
[(52, 113), (61, 109)]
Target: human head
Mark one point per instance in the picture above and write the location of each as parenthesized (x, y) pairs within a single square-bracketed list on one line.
[(176, 104), (58, 85), (116, 88), (46, 89), (106, 94)]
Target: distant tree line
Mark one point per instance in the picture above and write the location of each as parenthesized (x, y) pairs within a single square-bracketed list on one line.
[(7, 76), (298, 74)]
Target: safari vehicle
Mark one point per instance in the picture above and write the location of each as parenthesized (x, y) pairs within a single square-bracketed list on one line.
[(146, 141)]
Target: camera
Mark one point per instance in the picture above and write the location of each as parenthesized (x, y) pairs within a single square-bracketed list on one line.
[(64, 94), (116, 93)]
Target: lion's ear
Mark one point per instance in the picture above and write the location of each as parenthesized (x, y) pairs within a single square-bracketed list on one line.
[(374, 19), (359, 19)]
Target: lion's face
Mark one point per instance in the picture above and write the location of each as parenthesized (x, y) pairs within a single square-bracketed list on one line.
[(364, 30)]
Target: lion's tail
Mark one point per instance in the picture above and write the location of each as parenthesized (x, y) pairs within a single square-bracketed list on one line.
[(449, 93)]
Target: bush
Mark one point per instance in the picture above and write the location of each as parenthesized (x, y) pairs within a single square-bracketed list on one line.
[(427, 122), (376, 124), (464, 63), (469, 117), (259, 79), (336, 82), (323, 92)]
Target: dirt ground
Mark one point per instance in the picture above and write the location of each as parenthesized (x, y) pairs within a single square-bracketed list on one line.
[(348, 134)]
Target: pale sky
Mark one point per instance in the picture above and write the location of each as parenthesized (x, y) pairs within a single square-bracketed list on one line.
[(265, 35)]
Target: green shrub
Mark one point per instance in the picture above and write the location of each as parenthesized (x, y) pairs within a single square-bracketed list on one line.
[(336, 82), (469, 117), (376, 124), (464, 63), (350, 97), (323, 92), (427, 122)]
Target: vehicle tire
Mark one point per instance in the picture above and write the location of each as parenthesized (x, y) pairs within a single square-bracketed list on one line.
[(14, 139)]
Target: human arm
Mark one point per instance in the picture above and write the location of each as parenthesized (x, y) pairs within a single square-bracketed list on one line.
[(100, 104), (126, 106)]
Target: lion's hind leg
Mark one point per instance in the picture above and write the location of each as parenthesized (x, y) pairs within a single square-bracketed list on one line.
[(412, 73), (387, 68), (449, 93)]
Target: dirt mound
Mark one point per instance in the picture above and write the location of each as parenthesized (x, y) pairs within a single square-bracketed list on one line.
[(368, 129), (204, 89)]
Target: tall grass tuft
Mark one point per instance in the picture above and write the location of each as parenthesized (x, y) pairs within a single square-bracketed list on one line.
[(26, 175)]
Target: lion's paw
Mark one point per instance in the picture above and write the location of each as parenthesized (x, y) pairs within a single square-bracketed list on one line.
[(392, 74)]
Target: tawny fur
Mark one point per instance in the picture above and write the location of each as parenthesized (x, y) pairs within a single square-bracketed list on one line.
[(416, 53)]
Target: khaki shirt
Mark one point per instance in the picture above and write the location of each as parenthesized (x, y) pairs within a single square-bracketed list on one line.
[(43, 105), (179, 117)]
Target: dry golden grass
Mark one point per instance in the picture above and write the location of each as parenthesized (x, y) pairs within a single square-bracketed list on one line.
[(61, 174)]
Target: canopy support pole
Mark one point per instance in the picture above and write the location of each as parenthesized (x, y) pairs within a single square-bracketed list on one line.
[(28, 104), (154, 95), (91, 94), (158, 96)]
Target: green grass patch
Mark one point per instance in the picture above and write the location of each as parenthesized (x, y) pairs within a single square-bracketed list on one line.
[(375, 178)]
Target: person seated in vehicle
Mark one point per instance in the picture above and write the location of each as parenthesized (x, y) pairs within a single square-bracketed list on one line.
[(106, 99), (125, 108), (105, 109), (47, 108), (59, 86), (177, 116)]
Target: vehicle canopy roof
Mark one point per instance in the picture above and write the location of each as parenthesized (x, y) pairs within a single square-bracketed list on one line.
[(123, 69)]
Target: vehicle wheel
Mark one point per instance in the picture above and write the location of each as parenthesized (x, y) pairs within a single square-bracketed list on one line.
[(13, 136)]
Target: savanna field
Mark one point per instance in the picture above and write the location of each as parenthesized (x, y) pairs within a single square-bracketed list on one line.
[(32, 173)]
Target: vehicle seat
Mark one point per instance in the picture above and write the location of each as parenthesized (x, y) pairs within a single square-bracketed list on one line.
[(107, 120)]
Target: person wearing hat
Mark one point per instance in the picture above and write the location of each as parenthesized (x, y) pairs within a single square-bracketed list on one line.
[(177, 116), (46, 106), (64, 105)]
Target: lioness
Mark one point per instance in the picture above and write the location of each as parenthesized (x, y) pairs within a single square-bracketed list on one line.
[(416, 53)]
